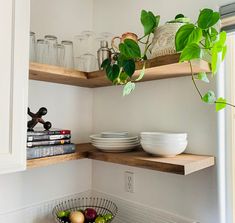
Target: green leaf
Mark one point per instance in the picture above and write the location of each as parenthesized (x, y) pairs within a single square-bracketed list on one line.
[(208, 18), (195, 36), (142, 72), (224, 51), (209, 97), (157, 22), (203, 77), (130, 49), (220, 104), (213, 33), (216, 59), (192, 51), (129, 67), (123, 77), (112, 72), (149, 21), (179, 16), (222, 38), (182, 36), (106, 63), (129, 87)]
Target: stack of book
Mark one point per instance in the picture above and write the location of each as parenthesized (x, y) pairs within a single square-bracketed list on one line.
[(49, 143)]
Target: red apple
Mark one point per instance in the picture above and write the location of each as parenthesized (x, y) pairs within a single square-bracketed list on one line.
[(90, 214)]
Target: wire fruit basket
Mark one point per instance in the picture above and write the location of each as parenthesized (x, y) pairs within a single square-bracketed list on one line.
[(102, 206)]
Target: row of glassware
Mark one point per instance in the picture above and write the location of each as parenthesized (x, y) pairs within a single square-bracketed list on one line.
[(85, 53)]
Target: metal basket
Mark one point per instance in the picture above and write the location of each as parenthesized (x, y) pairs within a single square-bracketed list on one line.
[(101, 205)]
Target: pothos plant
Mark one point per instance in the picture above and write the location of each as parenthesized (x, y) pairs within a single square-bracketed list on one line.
[(122, 66), (200, 40)]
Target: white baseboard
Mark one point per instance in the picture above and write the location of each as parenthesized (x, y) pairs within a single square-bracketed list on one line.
[(128, 212)]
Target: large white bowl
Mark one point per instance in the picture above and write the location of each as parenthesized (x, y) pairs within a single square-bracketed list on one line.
[(154, 141), (164, 149), (163, 135)]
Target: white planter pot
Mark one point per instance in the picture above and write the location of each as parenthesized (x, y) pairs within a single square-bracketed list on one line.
[(164, 40)]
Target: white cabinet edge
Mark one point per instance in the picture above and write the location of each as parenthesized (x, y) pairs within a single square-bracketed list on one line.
[(15, 160)]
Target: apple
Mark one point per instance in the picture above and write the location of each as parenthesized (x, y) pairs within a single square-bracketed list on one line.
[(77, 217), (100, 219), (90, 214)]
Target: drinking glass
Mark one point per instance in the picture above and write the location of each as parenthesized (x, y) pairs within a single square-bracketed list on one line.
[(89, 40), (79, 45), (107, 36), (42, 49), (60, 53), (52, 49), (90, 62), (32, 48), (68, 54)]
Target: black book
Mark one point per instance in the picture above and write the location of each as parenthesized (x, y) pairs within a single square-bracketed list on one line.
[(49, 132), (34, 138), (48, 142)]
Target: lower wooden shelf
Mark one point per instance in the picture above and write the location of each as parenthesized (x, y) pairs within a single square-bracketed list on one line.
[(81, 153), (182, 164)]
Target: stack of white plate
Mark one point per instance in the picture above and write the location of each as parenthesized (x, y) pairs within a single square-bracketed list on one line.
[(163, 144), (115, 141)]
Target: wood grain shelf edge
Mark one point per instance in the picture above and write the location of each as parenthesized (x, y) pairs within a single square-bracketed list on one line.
[(158, 68), (183, 164)]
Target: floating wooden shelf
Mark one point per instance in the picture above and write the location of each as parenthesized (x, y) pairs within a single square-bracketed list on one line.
[(183, 164), (157, 68), (81, 153)]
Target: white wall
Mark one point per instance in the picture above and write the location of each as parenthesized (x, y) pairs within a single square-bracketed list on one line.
[(165, 105), (68, 107)]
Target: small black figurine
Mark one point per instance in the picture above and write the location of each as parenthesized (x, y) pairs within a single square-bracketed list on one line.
[(38, 118)]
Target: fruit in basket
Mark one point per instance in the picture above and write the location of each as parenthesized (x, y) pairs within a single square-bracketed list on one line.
[(90, 214), (61, 214), (77, 217), (108, 217), (100, 219)]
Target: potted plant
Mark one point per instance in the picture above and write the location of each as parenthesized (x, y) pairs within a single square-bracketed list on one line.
[(200, 40)]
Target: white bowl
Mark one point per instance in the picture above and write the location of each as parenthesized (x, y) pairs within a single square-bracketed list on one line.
[(164, 149), (154, 141), (163, 135)]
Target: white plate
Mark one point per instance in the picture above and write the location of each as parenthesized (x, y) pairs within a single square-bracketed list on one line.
[(114, 141), (98, 137), (115, 149), (116, 144), (114, 134)]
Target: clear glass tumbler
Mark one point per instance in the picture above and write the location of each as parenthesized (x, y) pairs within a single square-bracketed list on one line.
[(68, 54), (60, 51), (52, 56), (32, 48), (42, 51)]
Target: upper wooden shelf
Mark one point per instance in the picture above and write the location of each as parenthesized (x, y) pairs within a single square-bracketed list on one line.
[(157, 68), (183, 164)]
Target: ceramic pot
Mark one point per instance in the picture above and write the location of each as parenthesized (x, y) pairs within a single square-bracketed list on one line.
[(164, 40)]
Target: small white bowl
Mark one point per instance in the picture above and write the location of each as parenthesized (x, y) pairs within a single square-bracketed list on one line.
[(164, 149)]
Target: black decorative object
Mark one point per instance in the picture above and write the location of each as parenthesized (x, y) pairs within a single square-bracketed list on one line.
[(37, 118)]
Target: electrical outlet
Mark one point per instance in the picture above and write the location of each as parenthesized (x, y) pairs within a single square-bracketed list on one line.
[(129, 182)]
